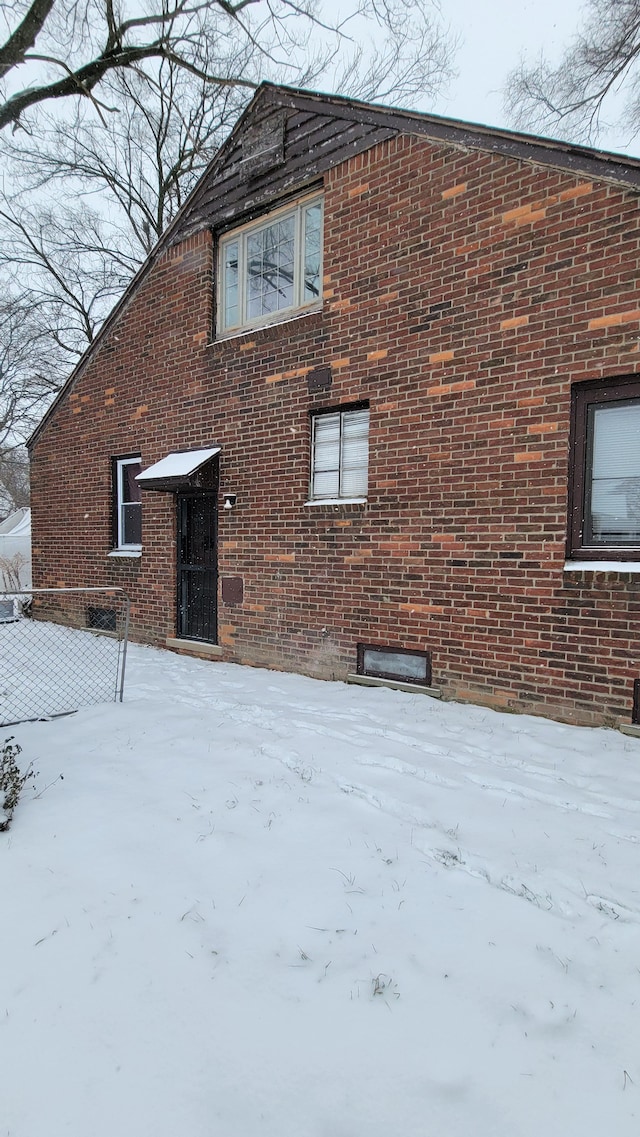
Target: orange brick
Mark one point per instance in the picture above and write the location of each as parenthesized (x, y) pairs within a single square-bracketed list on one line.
[(523, 213), (532, 401), (615, 320), (576, 191), (514, 322), (423, 609), (529, 456), (454, 191)]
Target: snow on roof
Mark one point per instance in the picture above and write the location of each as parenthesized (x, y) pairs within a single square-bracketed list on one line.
[(180, 464), (17, 524)]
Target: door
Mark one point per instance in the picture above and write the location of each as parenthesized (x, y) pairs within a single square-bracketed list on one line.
[(197, 567)]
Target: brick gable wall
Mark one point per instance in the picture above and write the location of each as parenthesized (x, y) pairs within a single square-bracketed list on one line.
[(464, 293)]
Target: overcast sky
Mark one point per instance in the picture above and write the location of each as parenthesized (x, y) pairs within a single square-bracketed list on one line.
[(495, 34)]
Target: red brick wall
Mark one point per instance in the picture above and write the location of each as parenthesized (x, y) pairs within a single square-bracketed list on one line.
[(464, 293)]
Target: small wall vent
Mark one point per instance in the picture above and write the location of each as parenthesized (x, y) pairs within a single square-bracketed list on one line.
[(101, 619)]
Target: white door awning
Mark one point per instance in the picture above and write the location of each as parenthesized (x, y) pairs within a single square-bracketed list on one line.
[(178, 470)]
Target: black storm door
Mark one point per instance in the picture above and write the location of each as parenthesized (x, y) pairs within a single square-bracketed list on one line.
[(197, 567)]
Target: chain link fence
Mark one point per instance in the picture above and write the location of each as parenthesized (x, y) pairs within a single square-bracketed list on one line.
[(61, 649)]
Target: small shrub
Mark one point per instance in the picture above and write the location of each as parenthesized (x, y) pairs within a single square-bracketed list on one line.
[(12, 781)]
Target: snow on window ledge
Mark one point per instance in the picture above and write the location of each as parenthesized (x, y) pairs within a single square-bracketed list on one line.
[(337, 501), (602, 566), (125, 553)]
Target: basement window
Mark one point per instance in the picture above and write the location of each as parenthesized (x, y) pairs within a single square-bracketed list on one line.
[(101, 619), (271, 269), (406, 665), (604, 490)]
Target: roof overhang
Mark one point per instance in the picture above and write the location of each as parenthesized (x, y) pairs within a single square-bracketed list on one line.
[(178, 471)]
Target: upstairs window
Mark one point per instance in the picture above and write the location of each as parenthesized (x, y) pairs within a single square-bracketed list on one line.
[(271, 268), (605, 478), (340, 455), (127, 503)]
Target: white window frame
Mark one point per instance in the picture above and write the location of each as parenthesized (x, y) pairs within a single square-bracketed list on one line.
[(120, 465), (241, 235), (343, 494)]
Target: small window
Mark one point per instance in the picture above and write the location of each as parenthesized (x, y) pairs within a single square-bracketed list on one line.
[(406, 665), (127, 503), (604, 491), (340, 455), (272, 268), (101, 619)]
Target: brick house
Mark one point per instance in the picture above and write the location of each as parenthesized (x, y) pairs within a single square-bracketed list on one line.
[(381, 378)]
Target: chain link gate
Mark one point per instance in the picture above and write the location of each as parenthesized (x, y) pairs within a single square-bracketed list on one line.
[(61, 649)]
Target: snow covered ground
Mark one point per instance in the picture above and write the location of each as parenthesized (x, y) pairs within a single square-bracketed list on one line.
[(258, 904)]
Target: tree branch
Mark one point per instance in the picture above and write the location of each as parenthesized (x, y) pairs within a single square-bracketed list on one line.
[(13, 51)]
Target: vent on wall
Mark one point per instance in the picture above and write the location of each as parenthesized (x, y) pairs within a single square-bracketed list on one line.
[(101, 619), (7, 611), (406, 665), (263, 146)]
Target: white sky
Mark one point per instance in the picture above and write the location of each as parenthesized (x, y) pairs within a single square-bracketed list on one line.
[(495, 34)]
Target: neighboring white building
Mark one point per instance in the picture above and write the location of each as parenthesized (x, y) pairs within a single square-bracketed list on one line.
[(15, 551)]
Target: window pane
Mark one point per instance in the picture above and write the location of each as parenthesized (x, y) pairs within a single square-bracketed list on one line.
[(132, 524), (615, 473), (395, 663), (326, 456), (270, 260), (355, 453), (131, 490), (327, 442), (326, 484), (354, 483), (230, 285), (312, 250)]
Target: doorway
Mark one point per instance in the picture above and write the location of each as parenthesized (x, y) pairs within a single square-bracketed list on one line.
[(197, 566)]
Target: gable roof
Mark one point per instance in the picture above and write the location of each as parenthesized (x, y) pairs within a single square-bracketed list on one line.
[(318, 132), (324, 130)]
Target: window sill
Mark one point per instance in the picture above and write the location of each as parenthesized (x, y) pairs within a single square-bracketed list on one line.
[(337, 501), (395, 685), (602, 566), (125, 553), (630, 729), (251, 329)]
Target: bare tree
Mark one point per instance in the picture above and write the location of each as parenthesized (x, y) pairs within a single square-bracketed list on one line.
[(122, 165), (62, 49), (140, 164), (28, 374), (14, 480), (596, 82)]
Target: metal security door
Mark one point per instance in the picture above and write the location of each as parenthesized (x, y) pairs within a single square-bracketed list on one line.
[(197, 567)]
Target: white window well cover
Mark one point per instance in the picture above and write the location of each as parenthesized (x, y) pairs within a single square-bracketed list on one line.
[(181, 464)]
